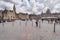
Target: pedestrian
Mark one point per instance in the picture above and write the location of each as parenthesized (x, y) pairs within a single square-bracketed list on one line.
[(42, 20), (36, 23)]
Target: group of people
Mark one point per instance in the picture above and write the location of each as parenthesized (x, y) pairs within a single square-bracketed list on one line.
[(56, 21)]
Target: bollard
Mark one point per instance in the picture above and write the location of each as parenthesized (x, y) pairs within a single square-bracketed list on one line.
[(32, 23), (3, 24), (3, 27), (20, 22), (12, 24), (39, 24), (54, 27), (26, 23)]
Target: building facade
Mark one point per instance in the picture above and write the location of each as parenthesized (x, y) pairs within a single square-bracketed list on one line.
[(23, 16), (10, 14), (33, 16), (0, 15)]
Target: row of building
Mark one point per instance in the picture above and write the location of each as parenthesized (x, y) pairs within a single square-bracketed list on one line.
[(12, 15)]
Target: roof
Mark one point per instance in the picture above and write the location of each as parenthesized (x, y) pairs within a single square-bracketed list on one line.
[(24, 13)]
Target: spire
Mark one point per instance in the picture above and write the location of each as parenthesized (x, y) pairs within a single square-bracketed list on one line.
[(5, 10), (14, 9)]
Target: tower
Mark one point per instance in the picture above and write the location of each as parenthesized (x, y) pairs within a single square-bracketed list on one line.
[(14, 12), (48, 11), (14, 9)]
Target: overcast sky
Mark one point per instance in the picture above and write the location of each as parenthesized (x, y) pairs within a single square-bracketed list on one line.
[(31, 6)]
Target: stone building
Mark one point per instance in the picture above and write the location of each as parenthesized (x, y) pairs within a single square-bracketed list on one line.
[(50, 16), (0, 15), (15, 15), (23, 16), (4, 14), (33, 16), (10, 14), (47, 14)]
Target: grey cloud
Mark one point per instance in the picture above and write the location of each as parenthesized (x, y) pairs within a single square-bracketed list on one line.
[(40, 1), (58, 9), (7, 0), (10, 1), (46, 4), (2, 6)]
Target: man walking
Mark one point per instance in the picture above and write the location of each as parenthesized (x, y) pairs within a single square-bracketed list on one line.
[(36, 23)]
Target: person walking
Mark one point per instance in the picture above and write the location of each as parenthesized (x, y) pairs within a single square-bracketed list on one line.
[(36, 23)]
